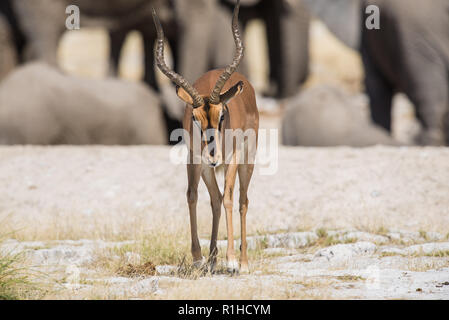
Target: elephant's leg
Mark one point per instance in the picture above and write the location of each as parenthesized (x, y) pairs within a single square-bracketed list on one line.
[(117, 38), (222, 43), (272, 16), (432, 111), (44, 47), (173, 42), (8, 53), (224, 46), (379, 91), (149, 75), (293, 49), (428, 87), (194, 37), (12, 22), (172, 106), (42, 26)]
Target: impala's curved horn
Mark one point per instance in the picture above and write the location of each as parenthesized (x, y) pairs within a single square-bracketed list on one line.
[(215, 96), (173, 76)]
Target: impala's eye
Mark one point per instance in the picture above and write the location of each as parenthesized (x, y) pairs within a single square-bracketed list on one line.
[(222, 118)]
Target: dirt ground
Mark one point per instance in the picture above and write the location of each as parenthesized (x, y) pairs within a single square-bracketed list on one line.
[(331, 223), (334, 223)]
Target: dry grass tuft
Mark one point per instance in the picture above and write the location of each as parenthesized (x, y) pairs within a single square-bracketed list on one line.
[(17, 279), (326, 240), (130, 270), (350, 278), (439, 254), (12, 277)]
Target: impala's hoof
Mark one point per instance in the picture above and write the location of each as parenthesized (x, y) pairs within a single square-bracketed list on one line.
[(244, 269), (233, 271), (199, 263), (212, 266), (233, 267)]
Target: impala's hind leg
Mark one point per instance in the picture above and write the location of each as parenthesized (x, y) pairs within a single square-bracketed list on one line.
[(216, 198), (245, 173), (193, 175)]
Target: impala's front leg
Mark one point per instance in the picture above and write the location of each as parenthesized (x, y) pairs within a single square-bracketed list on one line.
[(193, 175), (228, 198), (216, 199), (245, 173)]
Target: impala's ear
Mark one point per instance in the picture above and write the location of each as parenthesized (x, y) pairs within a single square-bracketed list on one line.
[(231, 93), (183, 95)]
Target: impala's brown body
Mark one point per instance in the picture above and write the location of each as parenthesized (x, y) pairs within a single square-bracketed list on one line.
[(218, 101), (242, 114)]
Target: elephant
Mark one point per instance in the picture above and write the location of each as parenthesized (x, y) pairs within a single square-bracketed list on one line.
[(40, 105), (409, 53), (287, 24), (191, 28), (195, 29), (8, 56), (326, 116), (42, 23), (342, 17)]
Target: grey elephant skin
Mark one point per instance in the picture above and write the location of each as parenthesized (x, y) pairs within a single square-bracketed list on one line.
[(41, 23), (325, 116), (287, 26), (40, 105), (409, 54), (8, 54), (195, 30), (342, 17)]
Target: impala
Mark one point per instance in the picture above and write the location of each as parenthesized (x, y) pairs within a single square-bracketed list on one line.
[(220, 101)]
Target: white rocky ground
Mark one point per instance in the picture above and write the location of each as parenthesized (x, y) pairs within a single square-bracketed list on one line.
[(334, 223), (370, 267)]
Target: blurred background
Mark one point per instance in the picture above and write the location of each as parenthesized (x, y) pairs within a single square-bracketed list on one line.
[(322, 78)]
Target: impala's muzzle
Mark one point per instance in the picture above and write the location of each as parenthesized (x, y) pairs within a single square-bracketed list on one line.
[(212, 155)]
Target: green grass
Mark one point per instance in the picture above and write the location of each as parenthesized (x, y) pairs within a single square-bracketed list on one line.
[(423, 234), (331, 241), (326, 240), (389, 254), (162, 248), (321, 233), (16, 280), (350, 278), (439, 254), (158, 250), (382, 231)]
